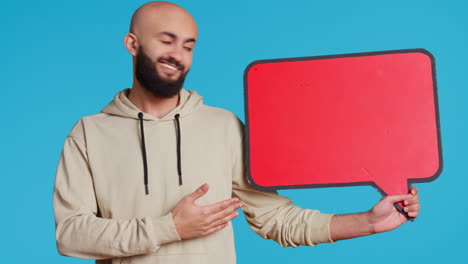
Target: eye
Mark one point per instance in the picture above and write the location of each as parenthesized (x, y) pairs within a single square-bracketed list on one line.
[(188, 49), (166, 42)]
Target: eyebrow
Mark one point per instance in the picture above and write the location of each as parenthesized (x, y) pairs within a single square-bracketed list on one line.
[(174, 36)]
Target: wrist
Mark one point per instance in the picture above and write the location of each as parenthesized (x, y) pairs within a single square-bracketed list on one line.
[(351, 225), (370, 222)]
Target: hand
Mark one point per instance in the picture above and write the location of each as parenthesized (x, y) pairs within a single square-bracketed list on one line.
[(384, 216), (193, 221)]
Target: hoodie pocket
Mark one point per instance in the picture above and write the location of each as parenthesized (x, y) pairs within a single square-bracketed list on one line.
[(189, 246), (172, 259), (186, 251)]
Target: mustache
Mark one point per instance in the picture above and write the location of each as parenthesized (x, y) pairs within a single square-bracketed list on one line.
[(172, 61)]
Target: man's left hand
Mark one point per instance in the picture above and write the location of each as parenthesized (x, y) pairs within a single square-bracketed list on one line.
[(385, 217)]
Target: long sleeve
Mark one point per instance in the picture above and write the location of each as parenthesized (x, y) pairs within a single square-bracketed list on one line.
[(273, 216), (80, 232)]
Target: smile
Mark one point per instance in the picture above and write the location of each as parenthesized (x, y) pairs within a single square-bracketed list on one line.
[(168, 67)]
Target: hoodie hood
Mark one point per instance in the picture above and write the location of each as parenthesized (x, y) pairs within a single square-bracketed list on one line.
[(121, 106)]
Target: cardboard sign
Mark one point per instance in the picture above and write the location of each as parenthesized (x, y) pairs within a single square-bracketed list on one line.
[(343, 120)]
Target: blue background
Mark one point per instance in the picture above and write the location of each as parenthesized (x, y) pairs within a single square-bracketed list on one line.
[(62, 60)]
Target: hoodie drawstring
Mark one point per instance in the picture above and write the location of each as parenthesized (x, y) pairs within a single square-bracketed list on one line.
[(143, 150), (179, 162)]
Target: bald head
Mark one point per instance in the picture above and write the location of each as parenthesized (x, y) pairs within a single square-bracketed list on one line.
[(161, 39), (158, 14)]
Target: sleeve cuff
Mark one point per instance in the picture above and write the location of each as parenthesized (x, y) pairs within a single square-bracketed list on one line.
[(322, 228), (164, 230), (330, 240)]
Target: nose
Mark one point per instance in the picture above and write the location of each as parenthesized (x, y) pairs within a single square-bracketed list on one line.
[(176, 54)]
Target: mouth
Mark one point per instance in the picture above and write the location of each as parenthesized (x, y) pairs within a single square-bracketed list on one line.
[(168, 67)]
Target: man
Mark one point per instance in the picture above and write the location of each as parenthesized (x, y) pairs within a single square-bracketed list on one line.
[(132, 182)]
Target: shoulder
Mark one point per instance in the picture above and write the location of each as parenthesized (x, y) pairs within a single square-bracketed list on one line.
[(81, 127), (219, 115), (232, 126)]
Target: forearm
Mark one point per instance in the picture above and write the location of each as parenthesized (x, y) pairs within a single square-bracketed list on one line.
[(91, 237), (350, 226), (274, 217)]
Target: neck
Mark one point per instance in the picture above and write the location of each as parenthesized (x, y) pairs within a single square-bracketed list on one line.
[(149, 103)]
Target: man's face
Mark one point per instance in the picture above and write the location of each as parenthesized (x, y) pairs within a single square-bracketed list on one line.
[(150, 77), (165, 55)]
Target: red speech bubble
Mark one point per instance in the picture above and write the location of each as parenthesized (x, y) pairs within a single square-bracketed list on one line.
[(343, 120)]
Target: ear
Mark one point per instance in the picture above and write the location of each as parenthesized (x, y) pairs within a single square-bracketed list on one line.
[(131, 43)]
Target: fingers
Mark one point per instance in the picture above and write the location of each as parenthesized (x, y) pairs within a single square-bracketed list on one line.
[(198, 192), (220, 206), (408, 199), (215, 229), (411, 205), (225, 219), (225, 215), (412, 200), (412, 208), (192, 220), (398, 198), (221, 212), (413, 214)]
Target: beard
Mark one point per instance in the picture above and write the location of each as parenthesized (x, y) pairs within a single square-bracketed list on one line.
[(147, 74)]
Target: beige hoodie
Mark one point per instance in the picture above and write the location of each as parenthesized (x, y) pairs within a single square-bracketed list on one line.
[(101, 208)]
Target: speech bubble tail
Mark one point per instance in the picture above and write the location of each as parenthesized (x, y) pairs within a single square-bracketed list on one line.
[(393, 186)]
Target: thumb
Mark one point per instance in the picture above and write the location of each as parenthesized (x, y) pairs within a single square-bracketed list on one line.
[(198, 192), (398, 198)]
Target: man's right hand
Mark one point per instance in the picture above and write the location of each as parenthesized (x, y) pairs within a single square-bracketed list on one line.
[(193, 221)]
